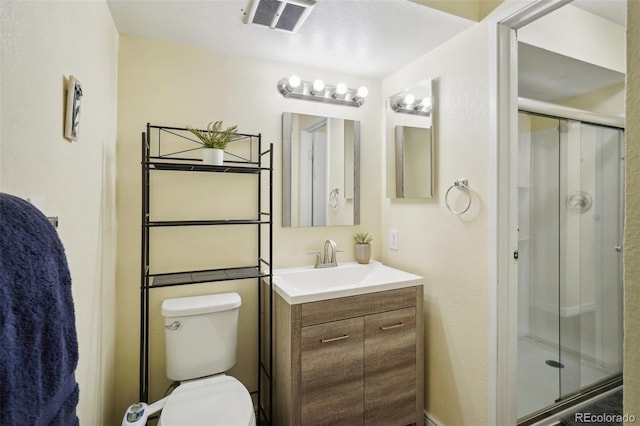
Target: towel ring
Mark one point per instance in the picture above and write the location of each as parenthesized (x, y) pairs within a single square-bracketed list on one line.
[(460, 185), (333, 198)]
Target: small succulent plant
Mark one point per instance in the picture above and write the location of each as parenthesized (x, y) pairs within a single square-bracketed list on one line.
[(362, 238)]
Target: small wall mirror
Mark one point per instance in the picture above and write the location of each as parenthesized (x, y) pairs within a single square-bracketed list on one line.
[(320, 171), (413, 162), (409, 143)]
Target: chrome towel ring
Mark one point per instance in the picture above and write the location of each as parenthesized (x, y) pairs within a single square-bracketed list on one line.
[(460, 185), (333, 198)]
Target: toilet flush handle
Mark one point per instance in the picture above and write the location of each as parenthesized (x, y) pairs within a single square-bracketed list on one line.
[(173, 326)]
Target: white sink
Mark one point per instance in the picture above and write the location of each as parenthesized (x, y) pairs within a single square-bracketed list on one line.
[(308, 284)]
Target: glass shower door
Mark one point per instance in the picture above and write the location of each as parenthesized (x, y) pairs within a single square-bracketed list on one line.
[(590, 293), (538, 262), (570, 213)]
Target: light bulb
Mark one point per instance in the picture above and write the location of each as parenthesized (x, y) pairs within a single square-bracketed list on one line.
[(341, 89), (318, 86), (294, 81), (362, 92), (409, 99)]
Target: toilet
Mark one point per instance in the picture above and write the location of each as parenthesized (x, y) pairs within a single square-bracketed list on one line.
[(200, 342)]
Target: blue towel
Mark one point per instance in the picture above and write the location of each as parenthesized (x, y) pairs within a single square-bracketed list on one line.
[(37, 321)]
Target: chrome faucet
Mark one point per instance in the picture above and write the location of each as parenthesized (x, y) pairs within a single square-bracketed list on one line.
[(330, 253), (329, 259)]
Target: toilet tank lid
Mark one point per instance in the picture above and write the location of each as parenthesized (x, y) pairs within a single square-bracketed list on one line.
[(194, 305)]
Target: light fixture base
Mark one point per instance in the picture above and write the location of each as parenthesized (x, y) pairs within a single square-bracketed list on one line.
[(416, 100), (328, 95)]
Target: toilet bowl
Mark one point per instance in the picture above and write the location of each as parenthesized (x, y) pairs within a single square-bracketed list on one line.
[(215, 401)]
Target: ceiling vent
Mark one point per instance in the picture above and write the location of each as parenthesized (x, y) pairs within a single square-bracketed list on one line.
[(285, 15)]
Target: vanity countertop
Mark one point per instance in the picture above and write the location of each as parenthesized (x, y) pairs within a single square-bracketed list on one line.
[(308, 284)]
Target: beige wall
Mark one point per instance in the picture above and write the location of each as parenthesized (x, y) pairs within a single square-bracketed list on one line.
[(451, 252), (607, 100), (42, 44), (457, 307), (632, 225), (170, 84), (475, 10)]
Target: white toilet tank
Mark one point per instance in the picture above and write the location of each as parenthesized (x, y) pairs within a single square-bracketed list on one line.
[(200, 334)]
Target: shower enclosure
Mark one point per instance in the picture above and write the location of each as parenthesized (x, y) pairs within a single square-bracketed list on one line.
[(570, 218)]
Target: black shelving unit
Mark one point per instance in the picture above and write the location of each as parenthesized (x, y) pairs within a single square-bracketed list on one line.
[(173, 149)]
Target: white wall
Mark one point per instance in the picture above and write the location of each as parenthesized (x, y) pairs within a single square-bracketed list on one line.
[(575, 33), (578, 34), (451, 252), (42, 44), (170, 84)]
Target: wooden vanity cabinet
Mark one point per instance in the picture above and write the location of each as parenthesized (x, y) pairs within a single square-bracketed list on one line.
[(355, 360)]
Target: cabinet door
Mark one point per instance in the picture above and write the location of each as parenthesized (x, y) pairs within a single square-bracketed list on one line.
[(332, 363), (390, 368)]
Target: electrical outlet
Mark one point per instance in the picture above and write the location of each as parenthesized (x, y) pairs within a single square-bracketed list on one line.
[(395, 235)]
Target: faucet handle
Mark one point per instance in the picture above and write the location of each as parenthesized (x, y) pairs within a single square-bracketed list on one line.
[(335, 259), (318, 259)]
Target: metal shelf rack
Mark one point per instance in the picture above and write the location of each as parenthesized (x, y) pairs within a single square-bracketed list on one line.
[(171, 149)]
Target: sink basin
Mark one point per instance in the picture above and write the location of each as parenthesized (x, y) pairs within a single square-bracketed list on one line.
[(308, 284)]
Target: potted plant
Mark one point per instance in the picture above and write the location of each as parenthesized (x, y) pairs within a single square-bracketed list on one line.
[(214, 140), (363, 248)]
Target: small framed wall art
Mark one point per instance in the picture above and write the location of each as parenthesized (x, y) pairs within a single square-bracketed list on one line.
[(72, 116)]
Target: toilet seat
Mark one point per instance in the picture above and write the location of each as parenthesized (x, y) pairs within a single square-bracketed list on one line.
[(218, 400)]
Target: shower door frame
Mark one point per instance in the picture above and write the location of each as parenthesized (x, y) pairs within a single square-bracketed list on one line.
[(504, 217)]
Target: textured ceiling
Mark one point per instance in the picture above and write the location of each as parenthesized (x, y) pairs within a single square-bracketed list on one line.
[(370, 38)]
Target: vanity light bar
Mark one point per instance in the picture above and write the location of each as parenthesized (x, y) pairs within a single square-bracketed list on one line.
[(408, 104), (318, 91)]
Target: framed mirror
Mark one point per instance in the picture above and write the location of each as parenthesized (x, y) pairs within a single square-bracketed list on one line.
[(410, 144), (414, 162), (320, 171)]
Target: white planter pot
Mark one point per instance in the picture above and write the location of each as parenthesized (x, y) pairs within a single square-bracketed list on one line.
[(212, 156)]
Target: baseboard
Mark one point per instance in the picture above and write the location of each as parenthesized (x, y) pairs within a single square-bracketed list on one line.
[(429, 420)]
